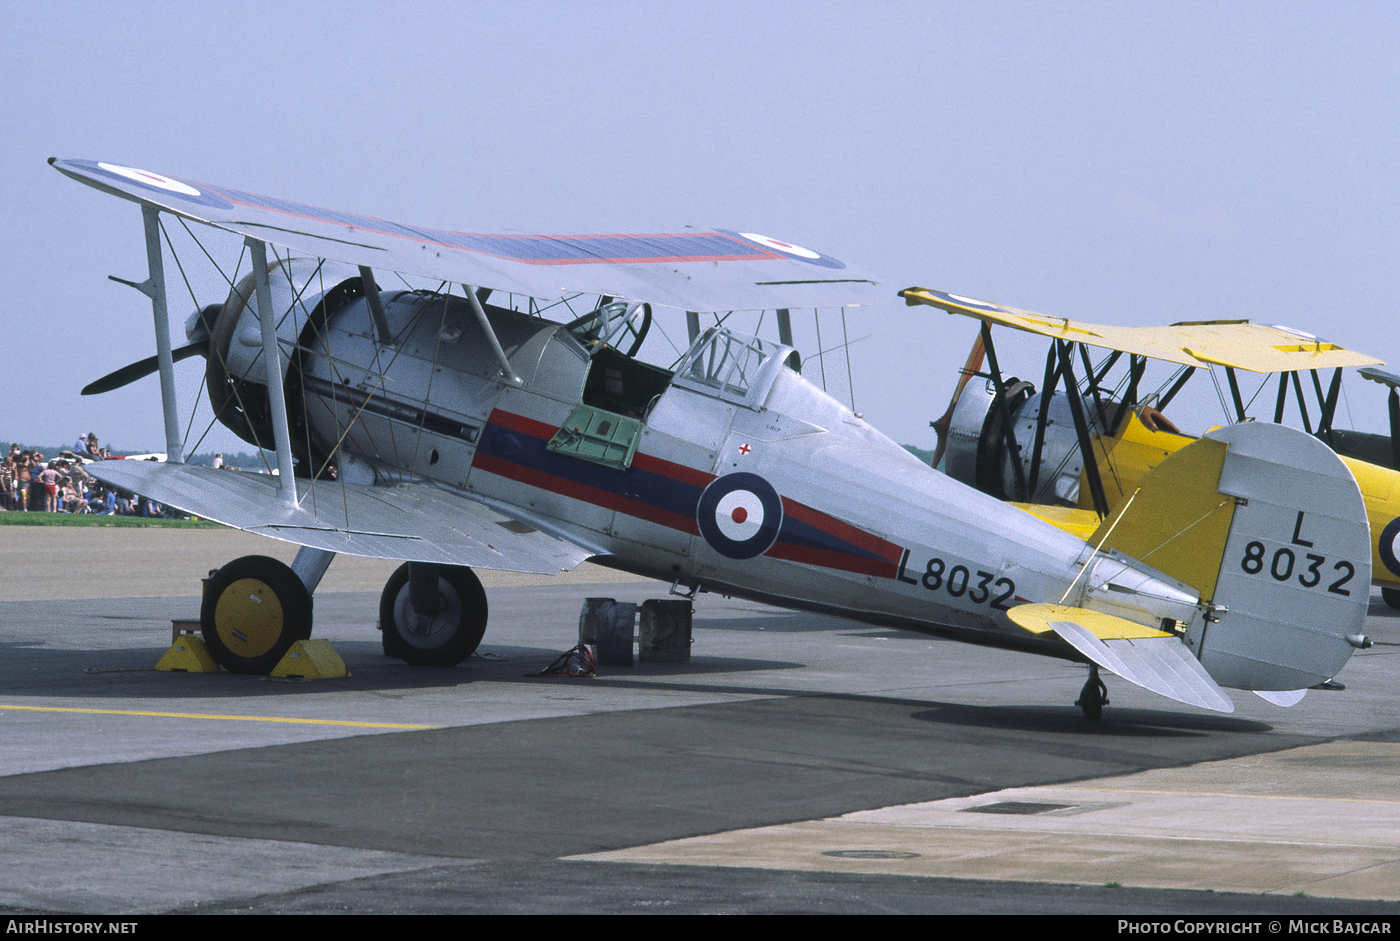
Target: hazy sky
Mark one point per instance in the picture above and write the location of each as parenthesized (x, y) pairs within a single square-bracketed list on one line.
[(1126, 162)]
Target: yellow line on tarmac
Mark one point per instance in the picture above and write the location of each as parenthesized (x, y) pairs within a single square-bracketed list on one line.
[(196, 715)]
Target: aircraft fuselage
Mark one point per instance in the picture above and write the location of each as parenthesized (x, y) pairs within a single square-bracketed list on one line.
[(761, 485)]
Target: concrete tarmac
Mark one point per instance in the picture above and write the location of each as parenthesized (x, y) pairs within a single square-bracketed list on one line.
[(795, 764)]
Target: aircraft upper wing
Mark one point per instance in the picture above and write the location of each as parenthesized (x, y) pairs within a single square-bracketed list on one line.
[(409, 521), (1381, 376), (1236, 343), (700, 270)]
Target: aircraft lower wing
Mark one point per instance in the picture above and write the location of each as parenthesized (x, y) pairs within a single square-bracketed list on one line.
[(414, 522), (1152, 659)]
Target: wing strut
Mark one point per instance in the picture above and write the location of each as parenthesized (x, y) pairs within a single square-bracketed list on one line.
[(1081, 427), (376, 306), (1393, 402), (480, 312), (1240, 413), (1186, 373), (1282, 398), (1328, 405), (1047, 387), (1137, 365), (1326, 401), (154, 288), (785, 328), (1009, 427), (272, 366)]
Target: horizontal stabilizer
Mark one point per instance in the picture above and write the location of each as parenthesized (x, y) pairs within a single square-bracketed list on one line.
[(1153, 659), (415, 522)]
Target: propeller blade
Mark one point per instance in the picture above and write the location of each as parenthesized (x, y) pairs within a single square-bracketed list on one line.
[(142, 368)]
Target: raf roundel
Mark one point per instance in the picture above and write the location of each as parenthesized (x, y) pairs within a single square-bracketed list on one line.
[(786, 247), (151, 179), (739, 515), (1387, 545)]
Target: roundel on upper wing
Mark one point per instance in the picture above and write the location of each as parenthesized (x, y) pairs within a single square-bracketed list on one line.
[(151, 179), (739, 515), (777, 248), (786, 247), (1386, 546)]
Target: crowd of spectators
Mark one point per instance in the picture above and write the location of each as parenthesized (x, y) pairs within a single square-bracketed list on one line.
[(29, 482)]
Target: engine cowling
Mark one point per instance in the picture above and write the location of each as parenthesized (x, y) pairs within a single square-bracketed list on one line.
[(980, 452), (302, 291)]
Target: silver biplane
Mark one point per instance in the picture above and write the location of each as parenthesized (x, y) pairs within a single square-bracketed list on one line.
[(451, 432)]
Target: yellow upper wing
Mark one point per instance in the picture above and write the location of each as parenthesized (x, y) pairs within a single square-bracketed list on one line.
[(1236, 343)]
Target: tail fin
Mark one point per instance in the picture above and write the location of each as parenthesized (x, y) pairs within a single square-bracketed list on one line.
[(1269, 526)]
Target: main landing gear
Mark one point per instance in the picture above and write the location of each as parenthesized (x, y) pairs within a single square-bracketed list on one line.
[(432, 615), (1094, 696), (256, 607)]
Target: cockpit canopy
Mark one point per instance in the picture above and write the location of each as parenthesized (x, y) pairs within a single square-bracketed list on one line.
[(733, 367)]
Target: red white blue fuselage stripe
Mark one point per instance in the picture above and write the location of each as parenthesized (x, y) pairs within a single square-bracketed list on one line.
[(668, 494)]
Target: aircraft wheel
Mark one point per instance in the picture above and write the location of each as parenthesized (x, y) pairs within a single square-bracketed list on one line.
[(254, 609), (444, 638), (1391, 596)]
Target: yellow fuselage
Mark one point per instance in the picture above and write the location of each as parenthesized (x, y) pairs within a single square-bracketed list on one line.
[(1124, 458)]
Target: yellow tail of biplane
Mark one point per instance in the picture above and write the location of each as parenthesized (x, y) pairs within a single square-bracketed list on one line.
[(1269, 527)]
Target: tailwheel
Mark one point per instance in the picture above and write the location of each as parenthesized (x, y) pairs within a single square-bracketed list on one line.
[(254, 609), (432, 615), (1094, 696), (1391, 596)]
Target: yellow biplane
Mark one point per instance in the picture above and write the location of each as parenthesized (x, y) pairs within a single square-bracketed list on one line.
[(1074, 450)]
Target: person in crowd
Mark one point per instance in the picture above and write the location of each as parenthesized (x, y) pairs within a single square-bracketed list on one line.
[(71, 497), (7, 483), (22, 480), (38, 498), (49, 475), (96, 499), (151, 508), (9, 478)]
